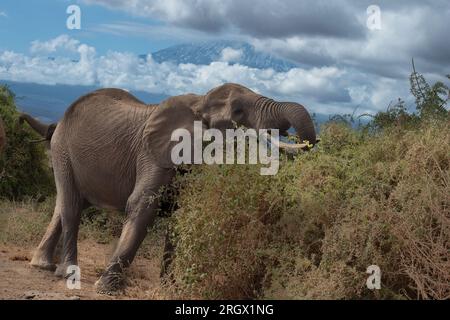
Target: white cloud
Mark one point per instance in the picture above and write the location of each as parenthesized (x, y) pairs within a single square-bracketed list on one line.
[(257, 17), (198, 14), (61, 42), (321, 89), (231, 55), (3, 14), (407, 32), (150, 31), (39, 68)]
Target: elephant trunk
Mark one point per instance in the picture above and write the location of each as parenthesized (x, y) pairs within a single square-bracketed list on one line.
[(300, 120), (284, 115), (45, 130)]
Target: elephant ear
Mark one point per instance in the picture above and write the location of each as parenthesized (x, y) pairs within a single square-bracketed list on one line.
[(160, 126)]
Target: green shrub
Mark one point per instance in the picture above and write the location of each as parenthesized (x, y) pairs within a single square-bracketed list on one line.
[(396, 115), (337, 135), (221, 232), (24, 170), (431, 102), (313, 229)]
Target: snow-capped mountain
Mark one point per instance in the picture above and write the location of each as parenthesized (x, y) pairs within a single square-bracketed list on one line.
[(203, 53)]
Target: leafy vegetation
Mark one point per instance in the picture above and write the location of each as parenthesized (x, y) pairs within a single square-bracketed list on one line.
[(24, 168), (375, 195)]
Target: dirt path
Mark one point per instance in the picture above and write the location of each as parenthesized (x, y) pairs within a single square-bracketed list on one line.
[(18, 280)]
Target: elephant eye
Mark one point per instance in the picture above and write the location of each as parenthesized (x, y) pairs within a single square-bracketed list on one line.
[(238, 112)]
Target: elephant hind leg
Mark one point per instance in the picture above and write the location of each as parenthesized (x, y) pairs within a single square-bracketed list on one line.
[(43, 257), (69, 204), (66, 218)]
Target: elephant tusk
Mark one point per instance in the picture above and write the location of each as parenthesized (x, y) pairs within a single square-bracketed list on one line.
[(292, 146), (295, 147)]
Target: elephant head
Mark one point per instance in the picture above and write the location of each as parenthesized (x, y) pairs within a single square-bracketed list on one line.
[(233, 102), (2, 136), (222, 108)]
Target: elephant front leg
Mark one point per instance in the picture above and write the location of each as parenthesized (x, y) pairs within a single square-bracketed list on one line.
[(141, 213)]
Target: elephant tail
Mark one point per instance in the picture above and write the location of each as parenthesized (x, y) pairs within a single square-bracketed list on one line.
[(45, 130)]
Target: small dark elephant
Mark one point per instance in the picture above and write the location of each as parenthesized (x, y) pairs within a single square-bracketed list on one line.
[(111, 150)]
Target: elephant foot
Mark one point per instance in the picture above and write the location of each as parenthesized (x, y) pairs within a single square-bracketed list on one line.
[(43, 263), (110, 283), (63, 271)]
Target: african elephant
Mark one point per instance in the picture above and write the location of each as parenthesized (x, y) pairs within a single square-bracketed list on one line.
[(111, 150), (2, 136)]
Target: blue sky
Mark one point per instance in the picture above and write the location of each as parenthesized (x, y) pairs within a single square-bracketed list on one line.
[(29, 20), (341, 62)]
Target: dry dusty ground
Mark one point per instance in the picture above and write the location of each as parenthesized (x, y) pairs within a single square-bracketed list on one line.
[(18, 280)]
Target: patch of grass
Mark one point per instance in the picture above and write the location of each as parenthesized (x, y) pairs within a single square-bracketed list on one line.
[(24, 223)]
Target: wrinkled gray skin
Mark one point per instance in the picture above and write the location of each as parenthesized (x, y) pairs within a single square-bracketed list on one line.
[(110, 150), (2, 136)]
